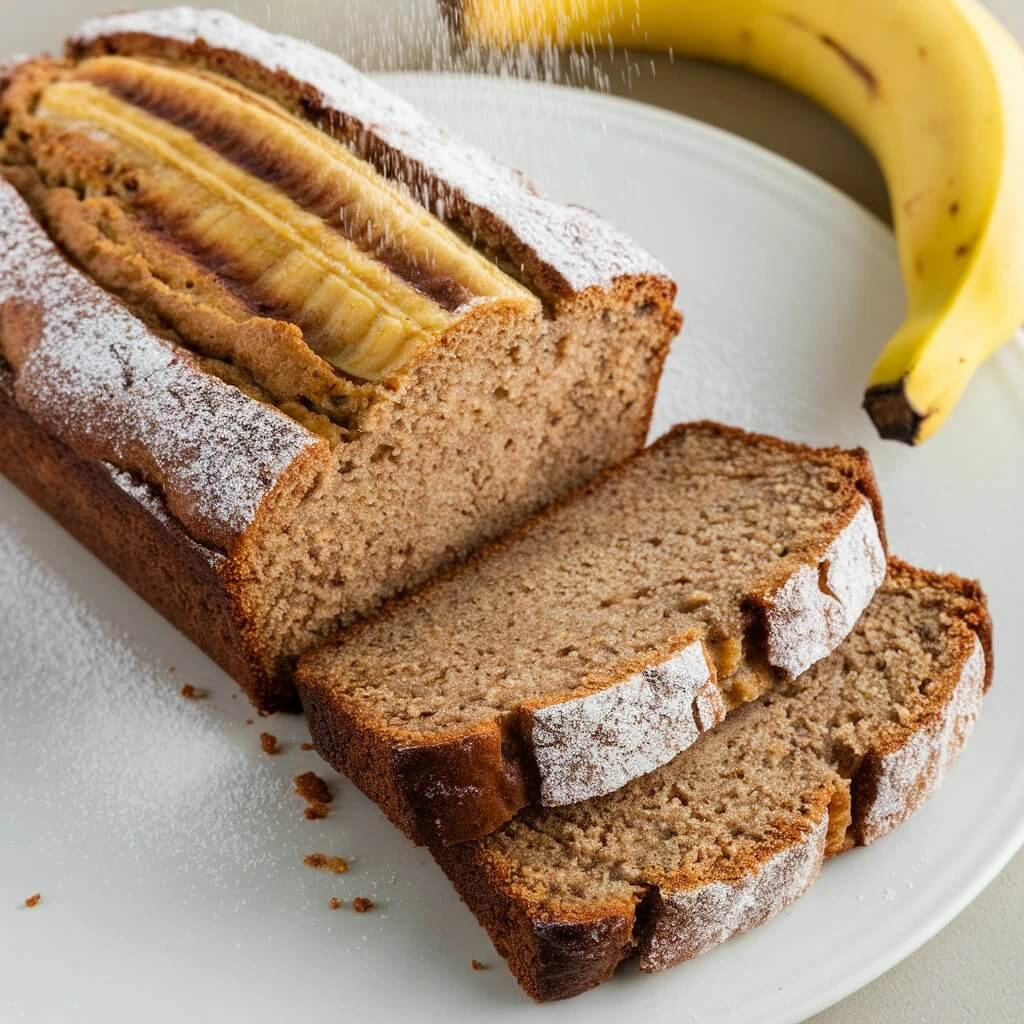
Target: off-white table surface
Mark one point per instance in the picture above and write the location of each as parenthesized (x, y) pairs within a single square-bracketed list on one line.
[(973, 971)]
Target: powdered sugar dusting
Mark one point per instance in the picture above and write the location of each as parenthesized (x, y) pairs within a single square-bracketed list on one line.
[(573, 243), (909, 775), (689, 922), (596, 743), (104, 384), (154, 505), (809, 616), (110, 732)]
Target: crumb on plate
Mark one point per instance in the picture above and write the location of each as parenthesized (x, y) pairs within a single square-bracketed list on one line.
[(312, 788), (34, 899), (268, 741), (322, 862), (361, 904)]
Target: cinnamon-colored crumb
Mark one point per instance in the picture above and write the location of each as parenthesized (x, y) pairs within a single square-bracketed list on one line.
[(334, 903), (248, 721), (322, 862), (268, 741), (33, 899), (306, 746), (477, 966), (315, 792), (190, 692), (361, 904), (312, 788)]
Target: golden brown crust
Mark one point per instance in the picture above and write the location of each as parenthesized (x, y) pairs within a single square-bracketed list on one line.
[(557, 950), (189, 584), (554, 952), (490, 776)]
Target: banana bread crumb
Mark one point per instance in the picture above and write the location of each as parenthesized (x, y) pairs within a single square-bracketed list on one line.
[(322, 862), (312, 788)]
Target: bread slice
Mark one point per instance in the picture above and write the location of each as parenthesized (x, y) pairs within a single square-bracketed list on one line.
[(735, 828), (606, 636), (327, 347)]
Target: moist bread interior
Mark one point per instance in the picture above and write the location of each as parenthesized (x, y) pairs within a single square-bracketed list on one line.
[(744, 785), (600, 581)]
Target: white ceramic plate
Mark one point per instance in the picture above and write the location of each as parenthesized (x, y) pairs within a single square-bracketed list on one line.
[(168, 848)]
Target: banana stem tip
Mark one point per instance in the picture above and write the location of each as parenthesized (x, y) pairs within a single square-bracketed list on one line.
[(890, 410)]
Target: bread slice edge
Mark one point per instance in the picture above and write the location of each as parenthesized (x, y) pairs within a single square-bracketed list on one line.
[(557, 951)]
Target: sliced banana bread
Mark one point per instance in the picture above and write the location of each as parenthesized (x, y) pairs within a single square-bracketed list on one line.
[(735, 828), (326, 347), (601, 640)]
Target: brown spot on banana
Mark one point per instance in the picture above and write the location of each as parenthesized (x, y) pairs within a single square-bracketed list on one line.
[(911, 202), (847, 56), (854, 63)]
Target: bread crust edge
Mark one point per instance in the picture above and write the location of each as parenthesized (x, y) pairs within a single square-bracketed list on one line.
[(193, 586)]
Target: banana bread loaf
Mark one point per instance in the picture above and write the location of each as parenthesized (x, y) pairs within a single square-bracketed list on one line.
[(276, 347), (603, 638), (735, 828)]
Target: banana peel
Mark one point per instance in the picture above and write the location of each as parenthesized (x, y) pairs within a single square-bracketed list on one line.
[(933, 87)]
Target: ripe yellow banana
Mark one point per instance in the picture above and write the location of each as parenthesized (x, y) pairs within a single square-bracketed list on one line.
[(935, 88)]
